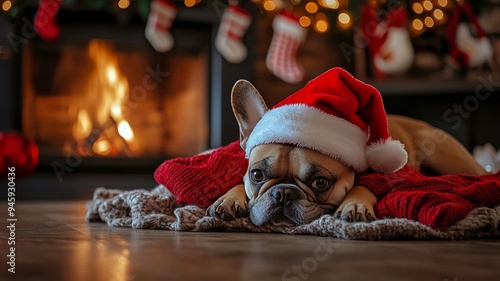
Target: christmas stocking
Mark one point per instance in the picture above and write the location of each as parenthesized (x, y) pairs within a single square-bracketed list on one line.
[(45, 19), (388, 41), (160, 20), (235, 22), (467, 50), (281, 58)]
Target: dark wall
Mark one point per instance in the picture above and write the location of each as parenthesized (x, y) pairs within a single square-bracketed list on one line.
[(472, 125), (5, 76)]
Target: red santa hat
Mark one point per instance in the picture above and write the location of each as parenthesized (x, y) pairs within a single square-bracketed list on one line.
[(337, 115)]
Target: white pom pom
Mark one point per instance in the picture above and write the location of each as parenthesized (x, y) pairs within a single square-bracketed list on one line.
[(386, 156)]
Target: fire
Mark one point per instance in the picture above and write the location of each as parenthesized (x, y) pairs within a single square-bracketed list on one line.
[(101, 127), (102, 147), (125, 131), (83, 126)]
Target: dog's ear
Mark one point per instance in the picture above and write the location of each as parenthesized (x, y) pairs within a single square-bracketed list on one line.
[(248, 107)]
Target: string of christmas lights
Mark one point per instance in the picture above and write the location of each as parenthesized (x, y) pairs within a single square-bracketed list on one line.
[(428, 14), (6, 5), (316, 14)]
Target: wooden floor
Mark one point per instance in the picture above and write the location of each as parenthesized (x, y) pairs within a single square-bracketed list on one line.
[(53, 242)]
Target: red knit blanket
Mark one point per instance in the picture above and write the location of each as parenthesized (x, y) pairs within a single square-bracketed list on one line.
[(437, 201), (202, 179)]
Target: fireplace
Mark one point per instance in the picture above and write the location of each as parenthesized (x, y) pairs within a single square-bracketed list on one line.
[(106, 99), (102, 93), (99, 100)]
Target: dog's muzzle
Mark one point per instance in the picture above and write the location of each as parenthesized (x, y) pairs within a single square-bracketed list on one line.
[(284, 204)]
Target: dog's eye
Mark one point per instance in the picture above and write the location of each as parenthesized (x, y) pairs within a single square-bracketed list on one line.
[(320, 183), (257, 175)]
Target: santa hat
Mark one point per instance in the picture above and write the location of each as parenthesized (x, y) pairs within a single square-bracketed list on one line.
[(337, 115)]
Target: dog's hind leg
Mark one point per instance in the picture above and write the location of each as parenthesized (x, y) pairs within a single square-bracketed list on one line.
[(449, 156)]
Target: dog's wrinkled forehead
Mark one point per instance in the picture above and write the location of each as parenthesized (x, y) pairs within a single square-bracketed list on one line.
[(268, 155), (287, 160)]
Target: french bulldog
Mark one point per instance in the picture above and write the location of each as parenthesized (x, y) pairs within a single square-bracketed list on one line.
[(289, 184)]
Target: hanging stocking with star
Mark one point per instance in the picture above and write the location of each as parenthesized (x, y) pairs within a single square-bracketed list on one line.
[(161, 16), (234, 23), (468, 44), (388, 41), (281, 58), (45, 19)]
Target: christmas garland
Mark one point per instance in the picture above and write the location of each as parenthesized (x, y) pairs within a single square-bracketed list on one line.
[(387, 27)]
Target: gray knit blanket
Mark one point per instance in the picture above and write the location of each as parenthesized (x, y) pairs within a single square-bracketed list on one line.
[(157, 209)]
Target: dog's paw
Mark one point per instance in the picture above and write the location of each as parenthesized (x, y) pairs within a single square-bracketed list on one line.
[(354, 211), (227, 208)]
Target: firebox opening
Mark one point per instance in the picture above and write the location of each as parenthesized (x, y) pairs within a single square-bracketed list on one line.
[(102, 99)]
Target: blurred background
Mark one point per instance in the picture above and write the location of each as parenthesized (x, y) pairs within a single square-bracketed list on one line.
[(100, 92)]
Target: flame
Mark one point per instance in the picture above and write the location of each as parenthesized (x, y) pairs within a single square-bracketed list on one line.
[(111, 74), (83, 126), (102, 147), (125, 131), (105, 96)]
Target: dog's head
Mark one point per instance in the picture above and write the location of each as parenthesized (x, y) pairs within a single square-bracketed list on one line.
[(286, 184)]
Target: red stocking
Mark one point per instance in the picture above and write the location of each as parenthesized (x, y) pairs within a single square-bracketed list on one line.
[(160, 21), (465, 49), (45, 19), (388, 41), (281, 59), (234, 24)]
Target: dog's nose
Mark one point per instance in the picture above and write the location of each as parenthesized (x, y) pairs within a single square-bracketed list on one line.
[(282, 195)]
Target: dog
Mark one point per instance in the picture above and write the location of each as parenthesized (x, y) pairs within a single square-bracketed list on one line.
[(288, 184)]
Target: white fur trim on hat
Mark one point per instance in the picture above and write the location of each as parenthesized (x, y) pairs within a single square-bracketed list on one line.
[(386, 156), (309, 127)]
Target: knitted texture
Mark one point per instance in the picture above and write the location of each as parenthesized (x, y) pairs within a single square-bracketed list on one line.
[(201, 179), (158, 209), (437, 201)]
